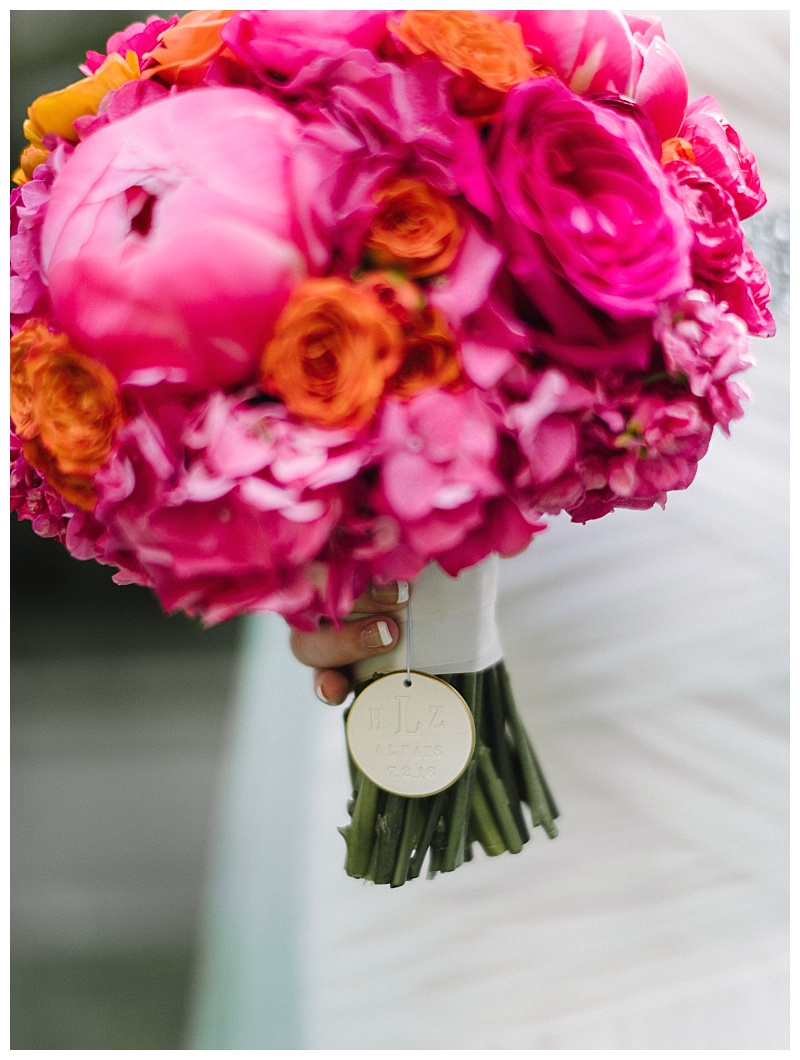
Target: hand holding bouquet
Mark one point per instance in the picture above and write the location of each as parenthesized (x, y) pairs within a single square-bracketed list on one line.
[(304, 301)]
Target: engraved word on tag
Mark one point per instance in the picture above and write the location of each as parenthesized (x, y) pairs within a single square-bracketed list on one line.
[(412, 739)]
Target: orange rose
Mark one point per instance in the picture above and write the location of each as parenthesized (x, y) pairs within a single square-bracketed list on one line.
[(416, 228), (65, 402), (56, 112), (186, 50), (676, 148), (470, 42), (333, 350), (429, 357)]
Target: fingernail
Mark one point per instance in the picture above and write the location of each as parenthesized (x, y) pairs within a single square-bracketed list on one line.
[(321, 696), (396, 593), (377, 635)]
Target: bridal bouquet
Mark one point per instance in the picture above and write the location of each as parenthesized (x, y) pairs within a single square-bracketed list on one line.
[(305, 300)]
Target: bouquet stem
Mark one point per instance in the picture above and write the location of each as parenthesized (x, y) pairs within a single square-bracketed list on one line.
[(390, 836)]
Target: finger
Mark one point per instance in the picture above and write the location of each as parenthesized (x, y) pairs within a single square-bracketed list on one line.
[(331, 647), (331, 686), (380, 598)]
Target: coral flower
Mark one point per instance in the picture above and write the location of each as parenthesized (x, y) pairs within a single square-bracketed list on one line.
[(430, 357), (470, 42), (186, 50), (77, 489), (56, 112), (416, 228), (334, 347), (64, 402)]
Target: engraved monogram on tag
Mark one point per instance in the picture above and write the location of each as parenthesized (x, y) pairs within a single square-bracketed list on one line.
[(410, 733)]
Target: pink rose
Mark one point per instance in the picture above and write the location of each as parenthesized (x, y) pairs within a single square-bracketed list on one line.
[(605, 52), (188, 195), (582, 189), (721, 154)]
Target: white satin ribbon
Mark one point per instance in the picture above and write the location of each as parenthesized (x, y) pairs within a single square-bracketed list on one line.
[(453, 626)]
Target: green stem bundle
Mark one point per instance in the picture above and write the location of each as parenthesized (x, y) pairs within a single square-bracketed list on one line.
[(390, 836)]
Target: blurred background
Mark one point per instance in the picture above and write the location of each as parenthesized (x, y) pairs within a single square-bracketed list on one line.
[(117, 723)]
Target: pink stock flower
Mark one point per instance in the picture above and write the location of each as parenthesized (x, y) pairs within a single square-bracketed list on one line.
[(639, 445), (599, 53), (720, 153), (580, 184), (188, 195), (706, 345)]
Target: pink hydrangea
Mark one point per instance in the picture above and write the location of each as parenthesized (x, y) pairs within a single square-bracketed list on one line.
[(437, 468), (229, 507)]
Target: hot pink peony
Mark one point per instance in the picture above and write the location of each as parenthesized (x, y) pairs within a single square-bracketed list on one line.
[(187, 196), (581, 186), (598, 53)]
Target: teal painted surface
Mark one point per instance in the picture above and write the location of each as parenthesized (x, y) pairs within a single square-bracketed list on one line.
[(247, 990)]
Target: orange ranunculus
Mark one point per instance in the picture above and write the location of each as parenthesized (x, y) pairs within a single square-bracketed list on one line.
[(397, 294), (67, 402), (56, 112), (77, 489), (416, 228), (430, 358), (470, 42), (21, 396), (333, 350), (186, 50), (676, 148)]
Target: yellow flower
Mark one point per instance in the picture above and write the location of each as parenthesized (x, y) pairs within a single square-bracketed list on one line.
[(56, 112)]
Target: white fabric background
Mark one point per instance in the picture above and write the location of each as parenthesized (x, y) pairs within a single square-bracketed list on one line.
[(650, 654)]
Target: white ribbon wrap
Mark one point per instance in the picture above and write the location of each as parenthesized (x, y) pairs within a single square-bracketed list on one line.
[(453, 627)]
